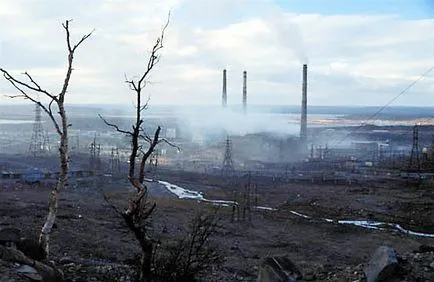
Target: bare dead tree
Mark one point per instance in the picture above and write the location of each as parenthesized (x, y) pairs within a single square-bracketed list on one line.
[(29, 90), (139, 209)]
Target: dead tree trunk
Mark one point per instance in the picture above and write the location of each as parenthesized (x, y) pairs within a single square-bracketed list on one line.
[(27, 90), (139, 209)]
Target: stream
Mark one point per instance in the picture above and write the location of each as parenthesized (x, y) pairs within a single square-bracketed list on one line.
[(183, 193)]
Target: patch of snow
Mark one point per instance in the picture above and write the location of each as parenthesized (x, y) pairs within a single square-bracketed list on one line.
[(221, 202), (265, 208), (419, 234), (182, 193), (362, 223), (299, 214)]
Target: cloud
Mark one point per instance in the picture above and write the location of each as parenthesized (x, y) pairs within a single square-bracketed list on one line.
[(353, 59)]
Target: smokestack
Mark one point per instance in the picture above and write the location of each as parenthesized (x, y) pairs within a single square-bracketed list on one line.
[(224, 93), (303, 124), (245, 92)]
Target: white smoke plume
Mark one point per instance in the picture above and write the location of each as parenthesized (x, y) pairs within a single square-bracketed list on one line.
[(287, 31)]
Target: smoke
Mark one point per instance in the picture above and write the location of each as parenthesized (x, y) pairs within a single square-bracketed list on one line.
[(286, 30), (208, 122)]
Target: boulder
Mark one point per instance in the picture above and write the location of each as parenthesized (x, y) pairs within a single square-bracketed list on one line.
[(278, 269), (29, 272), (382, 266)]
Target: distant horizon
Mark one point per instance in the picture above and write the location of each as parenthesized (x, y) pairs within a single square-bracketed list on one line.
[(229, 105)]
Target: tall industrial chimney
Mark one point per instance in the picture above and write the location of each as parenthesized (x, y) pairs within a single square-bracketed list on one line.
[(303, 124), (224, 93), (245, 92)]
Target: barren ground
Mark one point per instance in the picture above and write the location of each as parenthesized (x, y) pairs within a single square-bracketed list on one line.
[(88, 228)]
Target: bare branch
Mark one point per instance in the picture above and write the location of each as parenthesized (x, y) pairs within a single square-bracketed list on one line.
[(146, 155), (37, 89), (145, 106), (70, 57), (146, 137), (114, 126), (164, 140), (66, 27), (86, 36), (131, 84), (154, 57), (24, 95)]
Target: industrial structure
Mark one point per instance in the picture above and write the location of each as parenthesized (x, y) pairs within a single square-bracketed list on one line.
[(224, 91), (114, 162), (228, 164), (38, 144), (95, 160), (303, 122), (245, 92)]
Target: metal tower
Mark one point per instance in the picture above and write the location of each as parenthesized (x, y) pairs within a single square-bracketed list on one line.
[(95, 161), (228, 164), (115, 163), (224, 91), (415, 153), (245, 92), (37, 144)]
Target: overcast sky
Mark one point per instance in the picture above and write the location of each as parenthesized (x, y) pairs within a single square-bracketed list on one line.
[(360, 52)]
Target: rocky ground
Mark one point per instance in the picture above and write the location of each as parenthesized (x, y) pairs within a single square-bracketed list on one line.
[(91, 243)]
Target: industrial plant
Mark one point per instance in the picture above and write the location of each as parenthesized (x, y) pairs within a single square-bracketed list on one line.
[(265, 167), (321, 150)]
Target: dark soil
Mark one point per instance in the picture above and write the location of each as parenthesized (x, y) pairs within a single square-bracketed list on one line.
[(89, 228)]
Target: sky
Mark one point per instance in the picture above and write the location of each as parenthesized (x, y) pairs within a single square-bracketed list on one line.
[(359, 52)]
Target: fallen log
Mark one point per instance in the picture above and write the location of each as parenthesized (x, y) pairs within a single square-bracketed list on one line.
[(49, 273)]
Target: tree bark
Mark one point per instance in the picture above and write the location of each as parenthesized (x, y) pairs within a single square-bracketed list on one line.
[(44, 238)]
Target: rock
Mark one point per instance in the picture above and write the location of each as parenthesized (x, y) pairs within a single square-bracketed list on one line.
[(382, 266), (29, 272), (278, 269)]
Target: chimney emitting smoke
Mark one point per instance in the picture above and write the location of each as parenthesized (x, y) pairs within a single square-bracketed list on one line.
[(303, 124)]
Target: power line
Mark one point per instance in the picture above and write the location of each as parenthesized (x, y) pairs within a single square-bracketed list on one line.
[(422, 76)]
